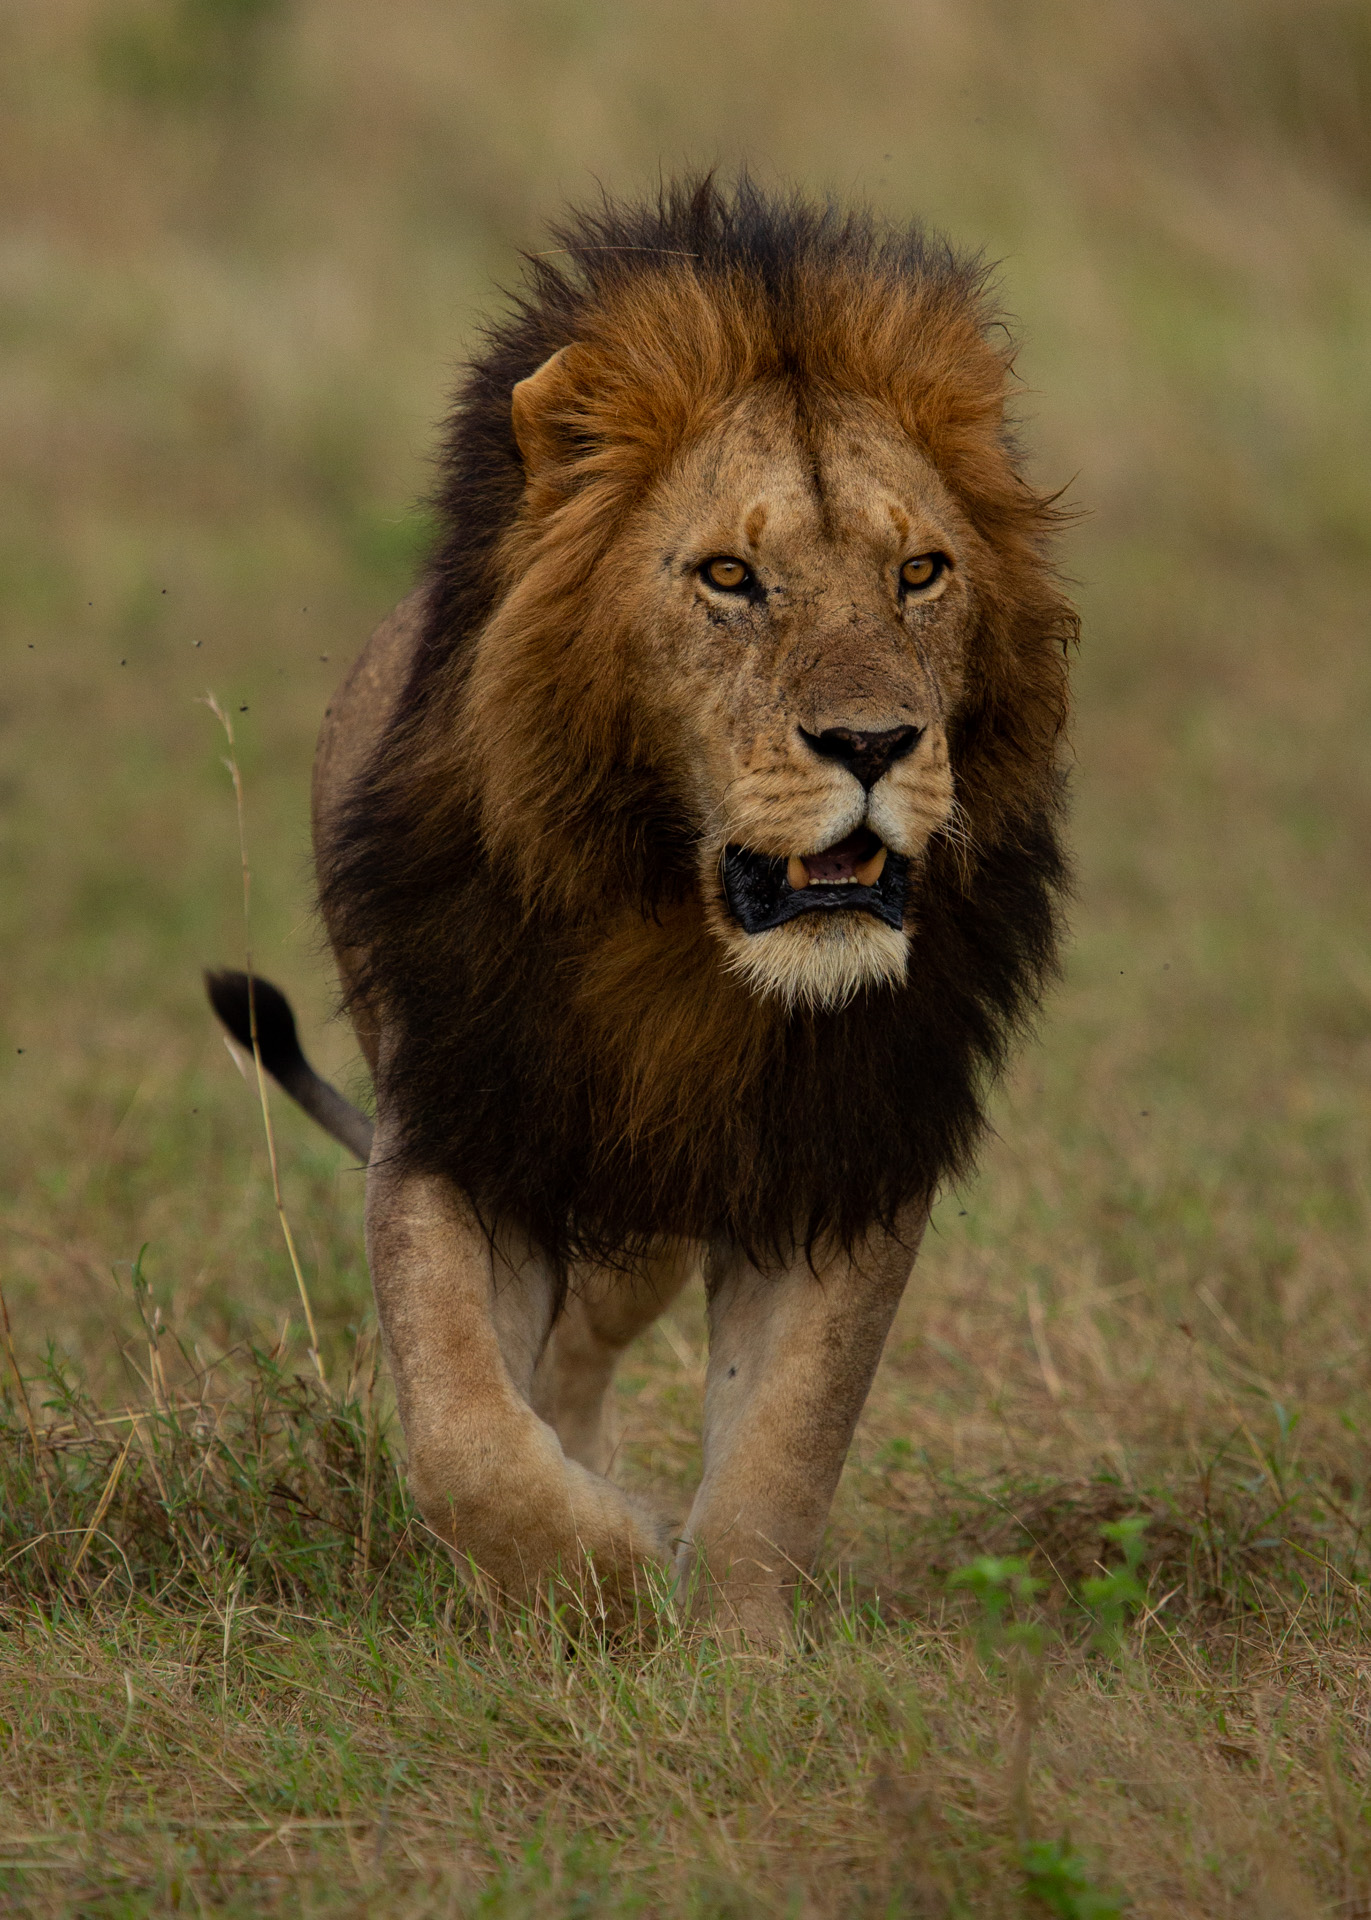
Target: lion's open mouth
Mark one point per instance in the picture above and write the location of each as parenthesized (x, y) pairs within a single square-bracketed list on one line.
[(856, 875)]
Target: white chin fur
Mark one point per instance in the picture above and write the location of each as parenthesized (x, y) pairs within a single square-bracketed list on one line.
[(821, 960)]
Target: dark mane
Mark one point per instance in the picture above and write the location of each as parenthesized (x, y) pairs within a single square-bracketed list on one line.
[(800, 1125)]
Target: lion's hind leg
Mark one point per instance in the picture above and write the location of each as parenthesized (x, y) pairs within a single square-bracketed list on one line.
[(605, 1310)]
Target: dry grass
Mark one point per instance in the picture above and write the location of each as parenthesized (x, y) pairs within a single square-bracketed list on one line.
[(244, 241)]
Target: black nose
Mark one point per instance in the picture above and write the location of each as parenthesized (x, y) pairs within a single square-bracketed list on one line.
[(868, 755)]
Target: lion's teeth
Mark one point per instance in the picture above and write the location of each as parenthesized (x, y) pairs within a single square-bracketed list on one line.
[(869, 872), (796, 872)]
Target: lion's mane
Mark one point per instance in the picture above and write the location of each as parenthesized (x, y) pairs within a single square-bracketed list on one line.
[(682, 1104)]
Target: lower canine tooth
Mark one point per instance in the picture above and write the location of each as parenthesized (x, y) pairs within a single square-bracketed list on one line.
[(869, 872), (796, 872)]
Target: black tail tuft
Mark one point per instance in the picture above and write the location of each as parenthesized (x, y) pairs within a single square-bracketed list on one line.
[(282, 1055), (276, 1036)]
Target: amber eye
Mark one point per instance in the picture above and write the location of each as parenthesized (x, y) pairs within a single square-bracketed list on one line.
[(729, 575), (922, 570)]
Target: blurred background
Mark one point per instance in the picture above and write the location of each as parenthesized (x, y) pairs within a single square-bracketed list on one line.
[(245, 247)]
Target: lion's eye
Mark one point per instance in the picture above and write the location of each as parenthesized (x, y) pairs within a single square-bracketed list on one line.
[(922, 570), (727, 574)]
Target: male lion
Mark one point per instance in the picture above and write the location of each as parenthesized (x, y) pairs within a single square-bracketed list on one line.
[(688, 843)]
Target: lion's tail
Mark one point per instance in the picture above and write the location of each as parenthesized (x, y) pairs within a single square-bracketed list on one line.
[(233, 1000)]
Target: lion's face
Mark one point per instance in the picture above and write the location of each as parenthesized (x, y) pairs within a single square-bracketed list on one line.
[(803, 593), (742, 620)]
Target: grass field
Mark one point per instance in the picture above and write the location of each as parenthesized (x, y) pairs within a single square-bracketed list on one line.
[(244, 245)]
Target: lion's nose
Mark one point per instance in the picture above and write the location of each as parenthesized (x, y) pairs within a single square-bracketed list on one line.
[(868, 755)]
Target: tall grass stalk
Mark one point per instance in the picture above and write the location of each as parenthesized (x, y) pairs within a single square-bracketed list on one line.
[(231, 763)]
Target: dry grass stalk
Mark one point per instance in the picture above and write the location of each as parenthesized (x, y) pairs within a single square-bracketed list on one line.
[(231, 763)]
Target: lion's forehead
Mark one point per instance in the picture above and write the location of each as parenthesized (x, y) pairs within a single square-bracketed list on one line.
[(771, 483)]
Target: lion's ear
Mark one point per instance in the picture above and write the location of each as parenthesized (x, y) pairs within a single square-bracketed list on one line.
[(535, 406)]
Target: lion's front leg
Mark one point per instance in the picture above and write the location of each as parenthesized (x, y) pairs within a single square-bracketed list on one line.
[(464, 1325), (792, 1354)]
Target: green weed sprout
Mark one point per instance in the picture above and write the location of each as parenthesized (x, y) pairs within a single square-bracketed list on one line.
[(999, 1584), (1113, 1596), (1054, 1875), (1057, 1876)]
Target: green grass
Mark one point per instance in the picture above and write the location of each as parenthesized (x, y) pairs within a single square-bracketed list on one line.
[(243, 246)]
